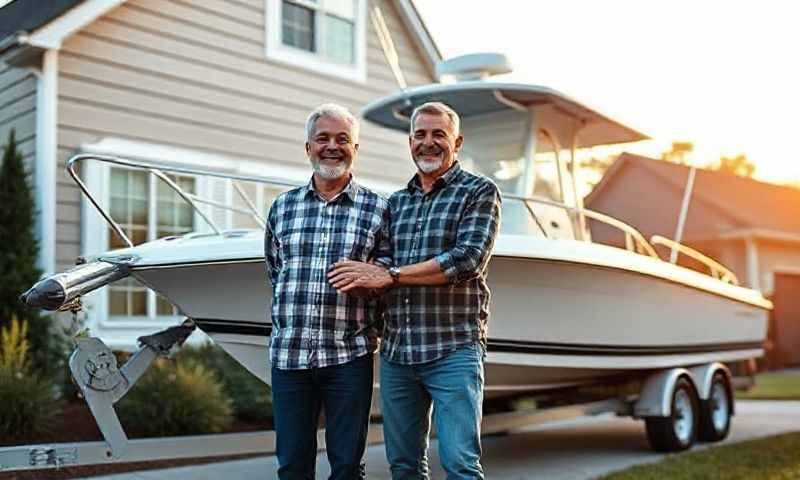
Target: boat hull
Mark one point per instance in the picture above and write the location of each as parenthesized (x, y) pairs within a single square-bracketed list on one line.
[(553, 323)]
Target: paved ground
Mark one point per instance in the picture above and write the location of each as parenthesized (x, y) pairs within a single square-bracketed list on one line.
[(578, 449)]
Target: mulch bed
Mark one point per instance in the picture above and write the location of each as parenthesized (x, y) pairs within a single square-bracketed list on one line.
[(75, 423)]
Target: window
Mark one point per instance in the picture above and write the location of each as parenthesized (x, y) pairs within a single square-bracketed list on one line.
[(323, 35), (147, 209)]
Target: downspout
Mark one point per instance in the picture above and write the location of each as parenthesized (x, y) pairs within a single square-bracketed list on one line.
[(751, 258), (46, 158)]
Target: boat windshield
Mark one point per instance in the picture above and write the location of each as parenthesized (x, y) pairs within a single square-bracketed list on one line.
[(500, 146)]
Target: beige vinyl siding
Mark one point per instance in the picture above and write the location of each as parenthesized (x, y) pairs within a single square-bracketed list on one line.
[(193, 74), (18, 110), (68, 235)]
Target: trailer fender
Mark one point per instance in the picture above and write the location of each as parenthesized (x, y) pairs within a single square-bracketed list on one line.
[(655, 399), (704, 376)]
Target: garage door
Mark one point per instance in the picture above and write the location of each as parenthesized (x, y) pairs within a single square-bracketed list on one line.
[(786, 318)]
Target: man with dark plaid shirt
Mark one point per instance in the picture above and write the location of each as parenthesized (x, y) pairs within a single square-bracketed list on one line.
[(442, 230), (323, 341)]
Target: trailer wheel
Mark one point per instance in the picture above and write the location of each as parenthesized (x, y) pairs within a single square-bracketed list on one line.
[(715, 413), (676, 432)]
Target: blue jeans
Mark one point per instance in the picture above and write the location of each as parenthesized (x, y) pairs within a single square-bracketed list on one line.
[(298, 396), (454, 386)]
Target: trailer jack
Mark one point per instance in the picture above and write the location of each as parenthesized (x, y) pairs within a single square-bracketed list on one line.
[(102, 383)]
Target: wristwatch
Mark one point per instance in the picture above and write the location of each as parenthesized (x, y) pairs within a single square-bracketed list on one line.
[(395, 274)]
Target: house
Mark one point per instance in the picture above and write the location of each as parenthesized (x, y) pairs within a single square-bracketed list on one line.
[(751, 227), (217, 84)]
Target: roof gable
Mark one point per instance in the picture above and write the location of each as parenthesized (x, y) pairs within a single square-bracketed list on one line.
[(751, 203)]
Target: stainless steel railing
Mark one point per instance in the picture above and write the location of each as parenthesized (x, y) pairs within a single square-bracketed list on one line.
[(718, 270), (634, 240), (191, 199)]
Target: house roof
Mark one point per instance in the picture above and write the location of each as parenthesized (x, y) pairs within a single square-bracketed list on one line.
[(753, 204), (28, 15)]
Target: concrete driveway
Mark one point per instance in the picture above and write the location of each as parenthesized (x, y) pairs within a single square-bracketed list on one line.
[(577, 449)]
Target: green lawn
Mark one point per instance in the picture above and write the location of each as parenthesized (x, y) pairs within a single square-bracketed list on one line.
[(774, 386), (773, 458)]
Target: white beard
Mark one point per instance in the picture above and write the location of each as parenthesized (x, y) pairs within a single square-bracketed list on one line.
[(328, 172), (426, 166)]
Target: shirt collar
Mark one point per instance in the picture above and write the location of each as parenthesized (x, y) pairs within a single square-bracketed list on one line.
[(350, 190), (446, 178)]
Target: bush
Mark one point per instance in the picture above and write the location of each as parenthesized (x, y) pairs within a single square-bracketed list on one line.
[(18, 270), (27, 403), (252, 398), (176, 398)]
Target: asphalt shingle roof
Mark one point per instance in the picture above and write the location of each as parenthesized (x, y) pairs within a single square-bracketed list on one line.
[(28, 15), (752, 203)]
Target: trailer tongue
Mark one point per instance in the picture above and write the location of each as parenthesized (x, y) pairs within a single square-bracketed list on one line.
[(102, 383)]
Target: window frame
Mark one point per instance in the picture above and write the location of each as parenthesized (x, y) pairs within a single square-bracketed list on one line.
[(276, 51), (152, 317), (98, 179)]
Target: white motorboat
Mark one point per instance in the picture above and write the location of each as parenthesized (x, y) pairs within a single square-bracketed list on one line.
[(565, 311)]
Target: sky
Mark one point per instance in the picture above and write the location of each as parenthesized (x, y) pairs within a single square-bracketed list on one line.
[(724, 75)]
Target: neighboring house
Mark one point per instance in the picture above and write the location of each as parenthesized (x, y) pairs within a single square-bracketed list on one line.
[(217, 84), (751, 227)]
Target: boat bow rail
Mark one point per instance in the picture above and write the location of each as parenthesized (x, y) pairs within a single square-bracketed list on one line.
[(634, 240), (190, 198)]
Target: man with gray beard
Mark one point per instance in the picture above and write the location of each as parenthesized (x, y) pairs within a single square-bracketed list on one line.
[(322, 341), (442, 230)]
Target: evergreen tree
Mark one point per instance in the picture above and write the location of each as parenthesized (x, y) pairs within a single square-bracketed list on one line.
[(18, 254)]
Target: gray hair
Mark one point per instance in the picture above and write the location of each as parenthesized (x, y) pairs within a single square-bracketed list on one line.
[(436, 108), (332, 110)]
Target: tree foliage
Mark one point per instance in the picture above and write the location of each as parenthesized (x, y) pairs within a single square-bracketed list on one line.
[(18, 257), (678, 153), (738, 165)]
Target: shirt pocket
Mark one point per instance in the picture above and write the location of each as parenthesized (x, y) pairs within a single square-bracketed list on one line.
[(294, 244), (358, 243)]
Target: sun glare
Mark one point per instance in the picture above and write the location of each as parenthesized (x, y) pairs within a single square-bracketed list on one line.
[(717, 74)]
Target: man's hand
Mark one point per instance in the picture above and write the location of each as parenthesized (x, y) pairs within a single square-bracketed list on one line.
[(347, 275)]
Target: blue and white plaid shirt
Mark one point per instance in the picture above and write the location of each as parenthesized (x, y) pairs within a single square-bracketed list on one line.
[(455, 223), (313, 325)]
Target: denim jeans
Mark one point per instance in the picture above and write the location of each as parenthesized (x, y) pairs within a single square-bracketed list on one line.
[(345, 393), (453, 386)]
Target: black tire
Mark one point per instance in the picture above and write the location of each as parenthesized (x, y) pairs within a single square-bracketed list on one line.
[(715, 412), (661, 431)]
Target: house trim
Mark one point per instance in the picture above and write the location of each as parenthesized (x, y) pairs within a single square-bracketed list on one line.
[(760, 233), (751, 259), (52, 34), (422, 36), (178, 156), (46, 159)]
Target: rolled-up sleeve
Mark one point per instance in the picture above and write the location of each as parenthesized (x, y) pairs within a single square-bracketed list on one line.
[(271, 250), (477, 229), (383, 244)]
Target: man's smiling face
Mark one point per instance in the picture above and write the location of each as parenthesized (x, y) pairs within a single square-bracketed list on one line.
[(331, 148), (434, 143)]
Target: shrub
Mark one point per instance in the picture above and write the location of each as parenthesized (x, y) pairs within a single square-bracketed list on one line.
[(27, 403), (175, 398), (252, 398), (18, 270)]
